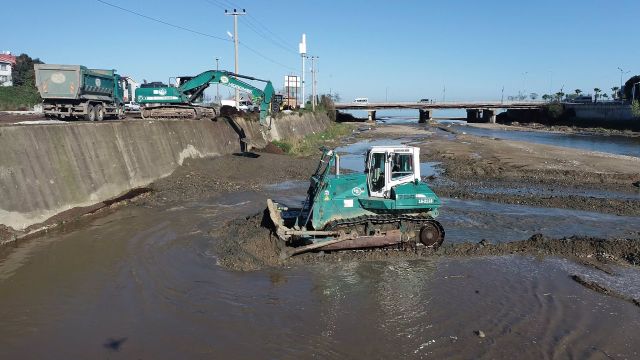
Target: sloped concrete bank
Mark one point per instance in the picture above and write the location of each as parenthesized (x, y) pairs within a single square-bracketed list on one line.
[(49, 169)]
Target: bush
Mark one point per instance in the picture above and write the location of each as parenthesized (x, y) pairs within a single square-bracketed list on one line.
[(635, 108), (555, 110), (283, 145), (18, 97)]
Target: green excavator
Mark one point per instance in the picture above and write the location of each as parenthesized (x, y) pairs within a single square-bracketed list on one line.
[(387, 205), (160, 101)]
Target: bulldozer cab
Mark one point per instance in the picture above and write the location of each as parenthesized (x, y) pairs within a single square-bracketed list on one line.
[(387, 167)]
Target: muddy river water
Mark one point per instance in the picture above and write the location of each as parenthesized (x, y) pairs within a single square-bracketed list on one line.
[(143, 282)]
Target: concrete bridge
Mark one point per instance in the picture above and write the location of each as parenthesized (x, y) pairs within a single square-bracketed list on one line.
[(477, 111)]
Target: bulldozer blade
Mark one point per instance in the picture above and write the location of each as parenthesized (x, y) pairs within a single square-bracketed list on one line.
[(349, 241), (276, 219), (391, 237)]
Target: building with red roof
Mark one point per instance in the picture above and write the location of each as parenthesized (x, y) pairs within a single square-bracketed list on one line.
[(7, 62)]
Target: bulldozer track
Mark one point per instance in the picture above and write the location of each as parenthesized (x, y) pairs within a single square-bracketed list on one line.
[(379, 219), (415, 222)]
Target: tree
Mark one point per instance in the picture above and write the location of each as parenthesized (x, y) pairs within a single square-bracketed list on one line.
[(597, 91), (23, 73), (546, 97), (605, 95), (615, 91), (533, 96), (628, 88), (578, 92), (559, 95)]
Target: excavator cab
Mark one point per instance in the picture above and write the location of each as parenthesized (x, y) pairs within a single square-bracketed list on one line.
[(387, 167)]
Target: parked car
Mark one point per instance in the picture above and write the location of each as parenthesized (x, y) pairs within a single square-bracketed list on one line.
[(245, 105), (131, 106)]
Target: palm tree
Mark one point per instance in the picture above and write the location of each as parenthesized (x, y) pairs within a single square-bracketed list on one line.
[(614, 92), (578, 92), (597, 91), (559, 95), (605, 95), (546, 97)]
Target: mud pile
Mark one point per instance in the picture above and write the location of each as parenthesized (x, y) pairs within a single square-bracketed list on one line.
[(198, 179), (248, 244)]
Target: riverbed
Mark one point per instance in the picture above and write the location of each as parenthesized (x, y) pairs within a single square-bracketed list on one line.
[(146, 280)]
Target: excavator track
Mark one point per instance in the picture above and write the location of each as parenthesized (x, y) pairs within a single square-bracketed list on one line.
[(177, 112), (414, 228)]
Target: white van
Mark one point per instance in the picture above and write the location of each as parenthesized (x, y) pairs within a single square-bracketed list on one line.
[(361, 100)]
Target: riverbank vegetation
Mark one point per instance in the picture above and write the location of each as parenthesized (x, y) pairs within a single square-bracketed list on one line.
[(23, 95), (310, 143)]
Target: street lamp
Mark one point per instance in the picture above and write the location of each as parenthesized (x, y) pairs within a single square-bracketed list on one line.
[(524, 83), (622, 72)]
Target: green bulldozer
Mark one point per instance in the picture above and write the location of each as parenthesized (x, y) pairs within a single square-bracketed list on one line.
[(387, 205)]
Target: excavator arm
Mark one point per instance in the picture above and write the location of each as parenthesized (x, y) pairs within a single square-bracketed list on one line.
[(195, 86)]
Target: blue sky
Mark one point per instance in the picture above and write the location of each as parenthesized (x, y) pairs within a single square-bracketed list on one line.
[(406, 49)]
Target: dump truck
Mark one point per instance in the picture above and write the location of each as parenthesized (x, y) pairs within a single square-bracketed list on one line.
[(74, 91), (387, 205)]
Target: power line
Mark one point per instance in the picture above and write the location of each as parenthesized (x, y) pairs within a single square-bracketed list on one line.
[(254, 26), (222, 3), (163, 22), (268, 30), (267, 58), (193, 31), (261, 34)]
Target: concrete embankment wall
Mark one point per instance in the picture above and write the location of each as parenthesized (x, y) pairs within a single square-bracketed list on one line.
[(614, 116), (605, 112), (48, 169)]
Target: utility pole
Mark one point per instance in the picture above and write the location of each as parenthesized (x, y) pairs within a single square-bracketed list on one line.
[(235, 41), (313, 82), (502, 96), (217, 84), (302, 47), (444, 92)]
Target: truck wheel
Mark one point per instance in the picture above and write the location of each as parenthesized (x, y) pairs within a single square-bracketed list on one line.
[(90, 115), (99, 112)]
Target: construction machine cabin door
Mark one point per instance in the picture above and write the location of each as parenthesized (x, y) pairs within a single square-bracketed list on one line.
[(405, 166), (376, 176)]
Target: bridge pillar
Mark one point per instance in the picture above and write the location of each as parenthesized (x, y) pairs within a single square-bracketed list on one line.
[(489, 115), (473, 115), (372, 116), (425, 115)]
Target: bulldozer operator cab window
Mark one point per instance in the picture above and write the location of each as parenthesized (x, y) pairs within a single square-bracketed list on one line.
[(376, 172), (401, 165)]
